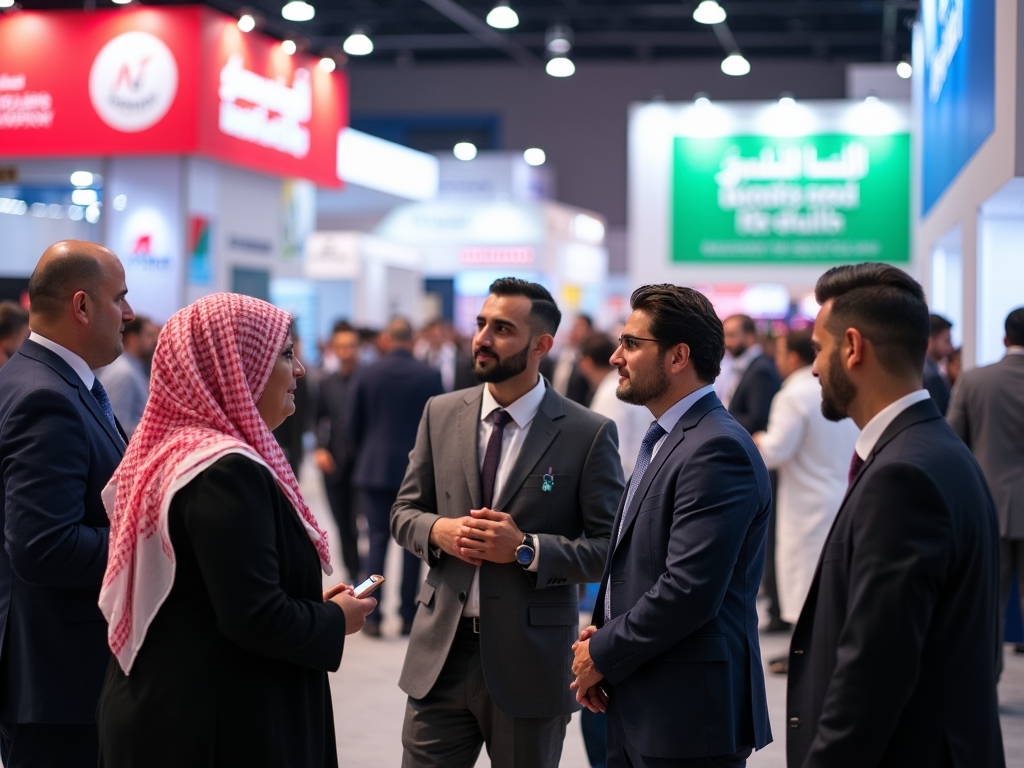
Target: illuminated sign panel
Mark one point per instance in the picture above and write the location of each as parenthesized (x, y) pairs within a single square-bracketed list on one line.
[(827, 197)]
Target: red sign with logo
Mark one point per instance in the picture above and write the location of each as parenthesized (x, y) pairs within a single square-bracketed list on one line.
[(169, 81)]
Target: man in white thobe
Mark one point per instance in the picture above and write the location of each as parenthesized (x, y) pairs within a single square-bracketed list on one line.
[(812, 457)]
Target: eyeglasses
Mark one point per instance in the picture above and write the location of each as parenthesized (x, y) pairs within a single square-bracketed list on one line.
[(629, 342)]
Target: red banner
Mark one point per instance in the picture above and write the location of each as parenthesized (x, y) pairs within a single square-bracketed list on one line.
[(165, 81)]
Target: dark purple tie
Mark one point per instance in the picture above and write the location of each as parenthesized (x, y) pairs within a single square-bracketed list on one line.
[(492, 456), (855, 465)]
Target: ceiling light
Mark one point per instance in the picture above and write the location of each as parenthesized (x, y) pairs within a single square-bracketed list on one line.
[(81, 179), (502, 17), (560, 67), (735, 65), (247, 22), (327, 64), (558, 39), (702, 101), (871, 99), (786, 101), (289, 47), (11, 2), (709, 12), (84, 196), (297, 10), (535, 156), (904, 70), (120, 202), (464, 150), (6, 3), (358, 44)]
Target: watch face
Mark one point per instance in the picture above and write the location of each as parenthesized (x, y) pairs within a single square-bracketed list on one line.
[(524, 555)]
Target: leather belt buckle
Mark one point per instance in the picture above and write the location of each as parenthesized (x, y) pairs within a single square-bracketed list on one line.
[(476, 625)]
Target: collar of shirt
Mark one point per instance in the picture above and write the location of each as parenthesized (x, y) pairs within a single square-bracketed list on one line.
[(873, 429), (78, 365), (739, 364), (522, 410), (1014, 349), (671, 417)]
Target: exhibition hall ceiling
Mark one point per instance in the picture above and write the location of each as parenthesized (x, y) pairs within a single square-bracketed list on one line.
[(408, 31)]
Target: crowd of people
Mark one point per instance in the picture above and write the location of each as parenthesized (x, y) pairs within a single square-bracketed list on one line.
[(161, 599)]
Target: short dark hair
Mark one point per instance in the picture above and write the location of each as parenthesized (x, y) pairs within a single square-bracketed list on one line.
[(586, 319), (13, 319), (747, 324), (1015, 327), (544, 312), (937, 324), (684, 316), (800, 343), (886, 305), (52, 285), (135, 326), (400, 330), (343, 326), (598, 347)]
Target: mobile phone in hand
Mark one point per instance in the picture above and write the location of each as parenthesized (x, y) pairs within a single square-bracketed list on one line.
[(368, 587)]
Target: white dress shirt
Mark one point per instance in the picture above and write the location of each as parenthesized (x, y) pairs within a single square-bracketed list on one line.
[(812, 456), (739, 367), (631, 421), (567, 360), (874, 428), (77, 364), (522, 413)]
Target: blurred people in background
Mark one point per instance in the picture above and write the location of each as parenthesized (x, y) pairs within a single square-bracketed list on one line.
[(953, 368), (603, 377), (438, 349), (334, 455), (385, 407), (289, 435), (369, 345), (987, 412), (811, 455), (563, 372), (59, 445), (940, 348), (13, 329), (749, 396), (893, 659), (127, 378)]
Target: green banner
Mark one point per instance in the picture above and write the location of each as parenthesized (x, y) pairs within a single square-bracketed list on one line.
[(827, 198)]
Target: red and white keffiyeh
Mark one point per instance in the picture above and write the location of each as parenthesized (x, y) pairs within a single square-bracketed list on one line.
[(212, 363)]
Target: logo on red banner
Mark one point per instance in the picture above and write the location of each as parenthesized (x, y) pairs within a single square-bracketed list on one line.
[(133, 81)]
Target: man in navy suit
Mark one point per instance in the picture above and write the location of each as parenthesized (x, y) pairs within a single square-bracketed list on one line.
[(893, 659), (386, 405), (59, 445), (674, 654)]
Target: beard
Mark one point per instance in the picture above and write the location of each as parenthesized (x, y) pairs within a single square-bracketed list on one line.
[(641, 389), (837, 391), (501, 369)]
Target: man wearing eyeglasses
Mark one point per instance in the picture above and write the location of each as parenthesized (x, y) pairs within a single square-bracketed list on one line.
[(673, 655)]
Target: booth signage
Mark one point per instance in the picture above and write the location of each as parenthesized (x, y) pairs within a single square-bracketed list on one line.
[(819, 198), (165, 81), (958, 100)]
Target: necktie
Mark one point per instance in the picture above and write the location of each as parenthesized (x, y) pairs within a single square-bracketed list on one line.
[(654, 433), (492, 456), (101, 397), (855, 466)]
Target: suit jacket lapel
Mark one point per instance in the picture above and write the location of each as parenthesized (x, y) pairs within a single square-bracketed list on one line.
[(94, 408), (467, 427), (543, 431)]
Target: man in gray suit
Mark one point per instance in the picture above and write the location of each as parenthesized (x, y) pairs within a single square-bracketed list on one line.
[(987, 412), (489, 657)]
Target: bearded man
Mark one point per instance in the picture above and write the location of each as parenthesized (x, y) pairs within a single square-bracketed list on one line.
[(509, 498)]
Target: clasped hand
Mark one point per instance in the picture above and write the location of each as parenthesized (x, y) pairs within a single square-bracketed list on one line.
[(588, 692), (484, 534), (356, 609)]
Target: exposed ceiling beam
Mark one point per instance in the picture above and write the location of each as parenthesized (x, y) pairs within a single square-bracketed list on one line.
[(485, 34)]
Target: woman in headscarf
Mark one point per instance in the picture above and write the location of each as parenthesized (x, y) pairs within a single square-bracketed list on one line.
[(221, 633)]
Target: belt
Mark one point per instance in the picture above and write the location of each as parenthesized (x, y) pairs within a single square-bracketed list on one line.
[(470, 624)]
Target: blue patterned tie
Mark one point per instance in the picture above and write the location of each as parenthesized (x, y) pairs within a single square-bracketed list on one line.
[(654, 433), (101, 397)]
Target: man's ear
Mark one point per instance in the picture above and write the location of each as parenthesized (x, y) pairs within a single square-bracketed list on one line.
[(678, 357), (80, 307), (853, 348), (542, 344)]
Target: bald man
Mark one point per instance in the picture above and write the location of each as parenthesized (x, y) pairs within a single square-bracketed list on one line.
[(59, 445)]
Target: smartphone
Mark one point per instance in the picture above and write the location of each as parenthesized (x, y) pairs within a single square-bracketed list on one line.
[(369, 586)]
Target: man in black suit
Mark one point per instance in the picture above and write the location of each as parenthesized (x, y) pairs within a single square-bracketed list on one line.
[(755, 381), (387, 402), (893, 660), (674, 653), (940, 349), (334, 455), (563, 372), (59, 445)]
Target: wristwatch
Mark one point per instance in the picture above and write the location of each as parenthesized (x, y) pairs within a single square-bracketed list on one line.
[(525, 552)]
